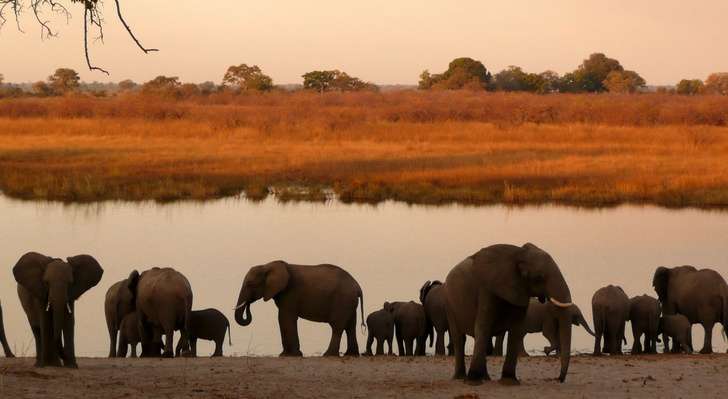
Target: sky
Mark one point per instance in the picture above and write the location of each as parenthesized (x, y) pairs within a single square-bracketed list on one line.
[(382, 41)]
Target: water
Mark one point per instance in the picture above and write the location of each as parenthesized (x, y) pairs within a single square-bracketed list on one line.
[(391, 249)]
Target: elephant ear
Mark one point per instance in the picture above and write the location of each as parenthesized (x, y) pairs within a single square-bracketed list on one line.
[(276, 279), (388, 307), (132, 282), (500, 268), (28, 272), (87, 273), (660, 281), (424, 290)]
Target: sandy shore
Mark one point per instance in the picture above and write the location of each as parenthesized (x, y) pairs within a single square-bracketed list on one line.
[(663, 376)]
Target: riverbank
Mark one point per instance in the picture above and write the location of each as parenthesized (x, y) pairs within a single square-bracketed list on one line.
[(433, 148), (668, 376)]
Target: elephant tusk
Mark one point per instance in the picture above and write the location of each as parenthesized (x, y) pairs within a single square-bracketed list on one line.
[(68, 307), (48, 307), (240, 306), (560, 304)]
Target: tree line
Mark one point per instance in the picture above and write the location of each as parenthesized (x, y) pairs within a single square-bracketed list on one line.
[(596, 74)]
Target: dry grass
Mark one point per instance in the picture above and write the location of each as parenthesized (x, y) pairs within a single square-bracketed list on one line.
[(417, 147)]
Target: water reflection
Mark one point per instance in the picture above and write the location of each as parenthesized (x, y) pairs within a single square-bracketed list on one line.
[(391, 249)]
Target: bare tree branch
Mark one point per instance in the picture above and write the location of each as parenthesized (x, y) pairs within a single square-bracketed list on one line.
[(86, 18), (128, 29)]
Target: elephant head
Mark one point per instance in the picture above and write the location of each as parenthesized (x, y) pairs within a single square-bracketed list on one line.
[(515, 274), (426, 289), (264, 281), (57, 284), (661, 279), (577, 318)]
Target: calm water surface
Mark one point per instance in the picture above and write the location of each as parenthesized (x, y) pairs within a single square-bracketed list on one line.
[(391, 249)]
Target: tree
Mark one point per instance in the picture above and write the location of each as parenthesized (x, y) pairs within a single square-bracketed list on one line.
[(246, 78), (623, 82), (690, 87), (64, 80), (461, 73), (2, 78), (92, 18), (335, 80), (188, 90), (511, 79), (592, 73), (207, 88), (163, 86), (717, 83), (127, 85), (42, 89)]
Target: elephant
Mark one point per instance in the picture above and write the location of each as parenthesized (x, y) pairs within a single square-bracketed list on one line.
[(644, 315), (163, 301), (208, 324), (488, 294), (380, 327), (543, 318), (3, 338), (129, 335), (410, 327), (679, 328), (321, 293), (610, 309), (700, 295), (432, 297), (119, 302), (48, 289)]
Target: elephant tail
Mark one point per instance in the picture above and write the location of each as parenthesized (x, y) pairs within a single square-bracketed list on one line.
[(230, 334), (361, 300)]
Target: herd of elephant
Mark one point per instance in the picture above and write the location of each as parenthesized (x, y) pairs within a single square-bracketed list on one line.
[(500, 291)]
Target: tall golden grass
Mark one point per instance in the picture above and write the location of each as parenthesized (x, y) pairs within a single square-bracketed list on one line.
[(431, 147)]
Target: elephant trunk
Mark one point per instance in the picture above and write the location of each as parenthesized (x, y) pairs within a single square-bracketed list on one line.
[(564, 342), (581, 321), (245, 319), (58, 304)]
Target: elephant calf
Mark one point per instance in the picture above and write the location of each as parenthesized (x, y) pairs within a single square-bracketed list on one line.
[(610, 308), (644, 314), (410, 327), (678, 328), (381, 328), (129, 335), (208, 324)]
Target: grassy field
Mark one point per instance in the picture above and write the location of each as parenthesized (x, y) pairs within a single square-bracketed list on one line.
[(438, 147)]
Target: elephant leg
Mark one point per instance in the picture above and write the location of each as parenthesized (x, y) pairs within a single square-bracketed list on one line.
[(113, 334), (498, 349), (440, 343), (178, 349), (390, 346), (421, 346), (450, 349), (352, 346), (515, 345), (38, 351), (708, 341), (335, 342), (483, 332), (133, 349), (400, 340), (3, 338), (636, 347), (598, 334), (288, 322), (380, 347), (458, 342), (168, 341), (370, 341)]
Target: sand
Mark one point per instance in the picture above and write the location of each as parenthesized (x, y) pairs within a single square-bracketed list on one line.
[(663, 376)]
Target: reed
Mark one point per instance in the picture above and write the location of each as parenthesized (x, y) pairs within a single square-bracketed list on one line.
[(433, 147)]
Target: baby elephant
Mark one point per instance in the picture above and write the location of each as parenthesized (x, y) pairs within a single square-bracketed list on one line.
[(381, 327), (208, 324), (678, 328), (129, 335), (410, 325)]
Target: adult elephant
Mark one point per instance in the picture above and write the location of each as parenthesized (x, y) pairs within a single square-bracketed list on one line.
[(644, 315), (610, 309), (700, 295), (432, 297), (320, 293), (544, 318), (118, 303), (48, 289), (3, 338), (488, 293), (163, 301)]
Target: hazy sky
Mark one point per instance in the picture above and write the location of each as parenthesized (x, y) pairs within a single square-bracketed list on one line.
[(384, 41)]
